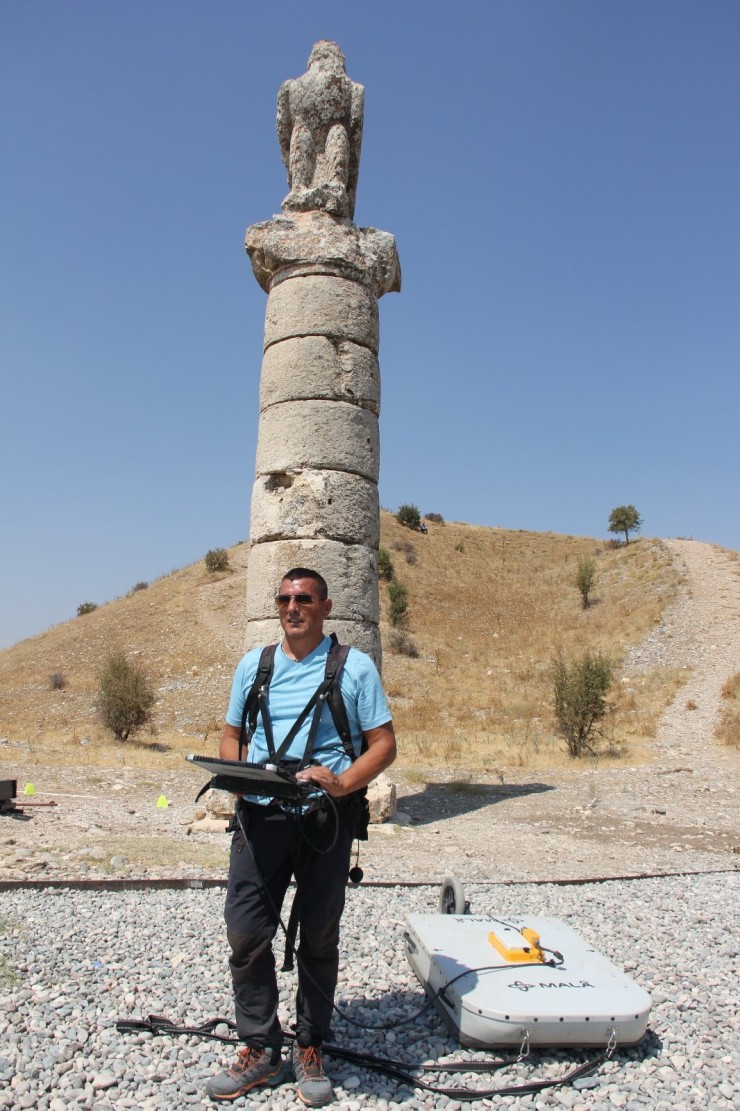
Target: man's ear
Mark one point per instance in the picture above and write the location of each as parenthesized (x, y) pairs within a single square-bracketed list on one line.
[(327, 606)]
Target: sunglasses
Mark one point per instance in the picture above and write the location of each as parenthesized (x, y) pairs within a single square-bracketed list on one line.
[(299, 599)]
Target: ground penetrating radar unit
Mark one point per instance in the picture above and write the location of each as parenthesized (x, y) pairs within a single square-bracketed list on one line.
[(503, 982)]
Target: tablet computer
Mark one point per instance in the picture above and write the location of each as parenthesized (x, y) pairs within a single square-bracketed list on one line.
[(253, 779)]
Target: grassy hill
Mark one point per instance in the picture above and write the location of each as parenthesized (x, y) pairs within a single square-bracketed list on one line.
[(487, 608)]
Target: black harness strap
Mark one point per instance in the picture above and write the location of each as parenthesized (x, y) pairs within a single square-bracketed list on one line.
[(334, 663), (252, 704), (257, 703)]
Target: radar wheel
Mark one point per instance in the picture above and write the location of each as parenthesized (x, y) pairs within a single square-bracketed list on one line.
[(452, 896)]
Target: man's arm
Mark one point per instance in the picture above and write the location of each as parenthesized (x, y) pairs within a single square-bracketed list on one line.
[(380, 754), (228, 748)]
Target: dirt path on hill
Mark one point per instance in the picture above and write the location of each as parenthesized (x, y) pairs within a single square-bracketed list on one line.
[(678, 812)]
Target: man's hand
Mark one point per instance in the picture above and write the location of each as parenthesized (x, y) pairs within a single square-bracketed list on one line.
[(379, 754), (323, 778)]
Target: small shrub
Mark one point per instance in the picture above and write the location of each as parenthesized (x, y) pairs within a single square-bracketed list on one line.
[(139, 586), (435, 518), (402, 643), (411, 558), (409, 516), (125, 699), (398, 596), (86, 607), (57, 681), (403, 546), (385, 565), (580, 690), (459, 547), (584, 578), (691, 705), (217, 559)]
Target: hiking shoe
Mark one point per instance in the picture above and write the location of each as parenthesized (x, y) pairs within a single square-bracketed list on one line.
[(314, 1087), (251, 1068)]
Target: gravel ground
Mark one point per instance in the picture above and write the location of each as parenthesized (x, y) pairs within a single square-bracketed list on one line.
[(72, 964)]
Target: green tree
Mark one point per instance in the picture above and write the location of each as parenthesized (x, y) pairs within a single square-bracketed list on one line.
[(217, 559), (409, 516), (580, 689), (385, 565), (585, 577), (125, 698), (626, 519), (398, 596), (86, 607)]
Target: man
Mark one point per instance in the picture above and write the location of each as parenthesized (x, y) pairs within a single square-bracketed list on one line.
[(314, 844)]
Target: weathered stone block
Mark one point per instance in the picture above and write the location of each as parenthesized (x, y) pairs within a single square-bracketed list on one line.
[(321, 305), (349, 569), (219, 804), (359, 634), (381, 797), (315, 367), (323, 435), (323, 505)]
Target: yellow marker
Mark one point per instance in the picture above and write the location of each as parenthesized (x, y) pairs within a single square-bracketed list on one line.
[(29, 789), (528, 950), (162, 802)]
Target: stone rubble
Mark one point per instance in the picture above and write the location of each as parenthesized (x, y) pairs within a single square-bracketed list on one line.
[(72, 964)]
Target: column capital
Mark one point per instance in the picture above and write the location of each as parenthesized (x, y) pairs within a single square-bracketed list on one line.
[(316, 243)]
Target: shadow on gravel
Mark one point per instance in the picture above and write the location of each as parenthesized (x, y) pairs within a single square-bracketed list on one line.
[(426, 1039), (650, 1046), (449, 800)]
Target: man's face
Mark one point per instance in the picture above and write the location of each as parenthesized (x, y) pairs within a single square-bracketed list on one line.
[(303, 622)]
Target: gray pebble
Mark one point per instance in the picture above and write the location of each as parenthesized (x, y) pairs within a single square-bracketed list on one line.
[(86, 959)]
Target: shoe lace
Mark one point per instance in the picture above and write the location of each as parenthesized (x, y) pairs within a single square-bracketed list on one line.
[(311, 1062), (248, 1056)]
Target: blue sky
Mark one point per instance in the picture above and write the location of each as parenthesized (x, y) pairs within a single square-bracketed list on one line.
[(562, 178)]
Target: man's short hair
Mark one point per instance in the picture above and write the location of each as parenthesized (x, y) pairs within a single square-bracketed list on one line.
[(307, 573)]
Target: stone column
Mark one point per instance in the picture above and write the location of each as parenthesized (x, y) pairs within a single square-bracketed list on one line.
[(315, 497)]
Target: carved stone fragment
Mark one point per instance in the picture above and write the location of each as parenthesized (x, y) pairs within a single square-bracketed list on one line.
[(314, 243)]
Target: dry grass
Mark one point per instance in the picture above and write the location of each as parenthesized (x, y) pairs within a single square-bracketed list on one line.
[(186, 630), (143, 850), (728, 727), (487, 608)]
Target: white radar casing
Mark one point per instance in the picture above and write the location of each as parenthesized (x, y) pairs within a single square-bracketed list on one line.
[(501, 991)]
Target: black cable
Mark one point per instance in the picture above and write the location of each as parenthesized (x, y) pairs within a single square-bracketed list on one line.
[(322, 852), (397, 1070), (400, 1071)]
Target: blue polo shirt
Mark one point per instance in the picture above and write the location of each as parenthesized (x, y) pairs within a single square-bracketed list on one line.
[(292, 684)]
